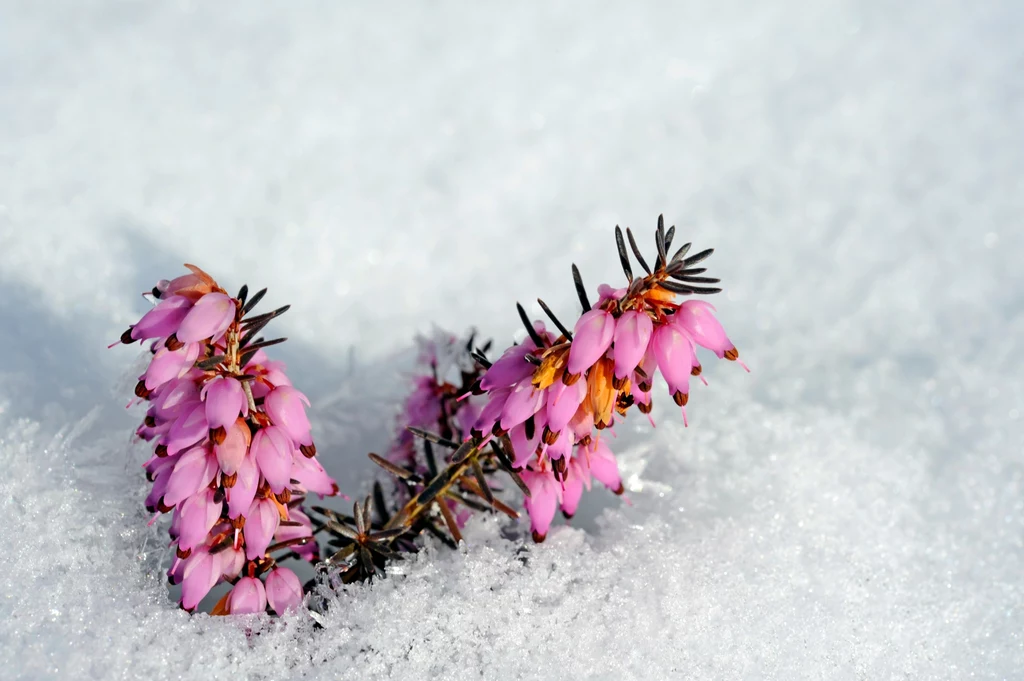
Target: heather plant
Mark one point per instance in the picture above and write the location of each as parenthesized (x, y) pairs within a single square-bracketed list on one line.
[(233, 457), (234, 460)]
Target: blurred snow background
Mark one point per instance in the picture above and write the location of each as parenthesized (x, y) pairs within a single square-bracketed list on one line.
[(852, 509)]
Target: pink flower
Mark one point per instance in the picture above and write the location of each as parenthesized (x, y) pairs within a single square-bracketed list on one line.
[(208, 318), (523, 402), (541, 503), (510, 369), (298, 526), (170, 364), (273, 450), (260, 525), (284, 592), (562, 403), (592, 337), (225, 400), (163, 320), (572, 489), (247, 597), (674, 351), (632, 333), (225, 455), (192, 472), (198, 514), (603, 467), (284, 405), (234, 447), (311, 476), (200, 572)]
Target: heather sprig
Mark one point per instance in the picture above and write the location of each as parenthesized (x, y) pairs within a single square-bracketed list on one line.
[(234, 457), (439, 478), (550, 397)]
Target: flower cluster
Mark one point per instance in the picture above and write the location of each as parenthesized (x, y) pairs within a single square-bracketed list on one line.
[(448, 371), (552, 395), (233, 454)]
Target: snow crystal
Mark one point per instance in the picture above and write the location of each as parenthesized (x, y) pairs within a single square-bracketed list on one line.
[(852, 509)]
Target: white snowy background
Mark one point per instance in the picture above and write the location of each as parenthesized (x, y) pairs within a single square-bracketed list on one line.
[(853, 509)]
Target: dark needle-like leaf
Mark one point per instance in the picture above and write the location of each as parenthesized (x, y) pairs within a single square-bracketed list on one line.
[(433, 437), (262, 344), (699, 280), (428, 450), (382, 509), (478, 472), (449, 519), (580, 291), (357, 513), (394, 469), (553, 318), (254, 301), (464, 451), (694, 259), (623, 256), (481, 358), (636, 251), (211, 362), (659, 241), (266, 316), (534, 336), (388, 535), (683, 250)]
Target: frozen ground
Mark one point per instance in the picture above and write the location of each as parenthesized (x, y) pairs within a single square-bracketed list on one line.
[(854, 509)]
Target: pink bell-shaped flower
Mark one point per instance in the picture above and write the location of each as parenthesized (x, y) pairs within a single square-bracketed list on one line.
[(697, 319), (542, 502), (509, 369), (284, 592), (225, 400), (260, 525), (240, 496), (603, 467), (247, 597), (592, 337), (200, 572), (209, 317), (674, 351), (234, 447), (273, 449), (191, 473), (523, 402), (632, 334), (198, 514), (163, 320), (284, 405)]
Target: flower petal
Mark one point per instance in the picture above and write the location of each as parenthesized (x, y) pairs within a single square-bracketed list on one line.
[(247, 597), (209, 317), (592, 337), (284, 591), (632, 334), (284, 405), (201, 572), (244, 491), (225, 400), (260, 525), (235, 446), (696, 318), (541, 503), (273, 449)]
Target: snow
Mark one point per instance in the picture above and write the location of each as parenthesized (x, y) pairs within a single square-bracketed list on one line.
[(852, 509)]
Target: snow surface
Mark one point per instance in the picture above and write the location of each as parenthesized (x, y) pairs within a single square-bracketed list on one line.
[(854, 509)]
